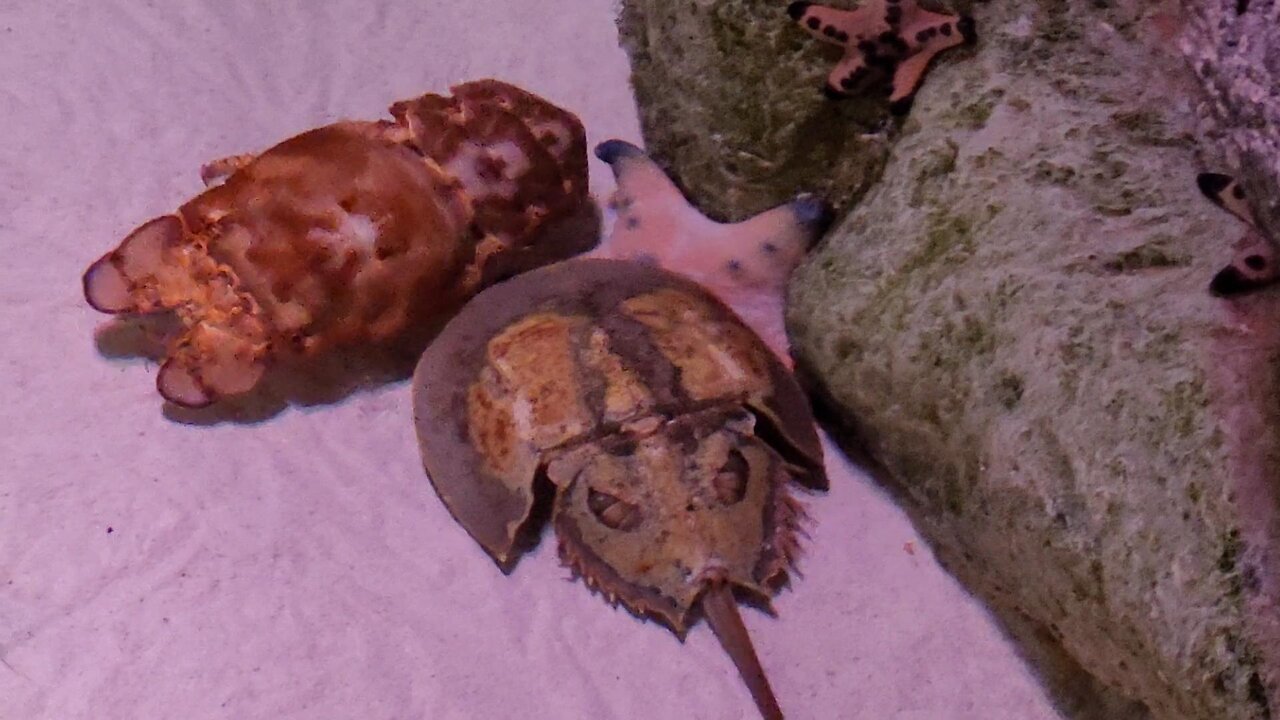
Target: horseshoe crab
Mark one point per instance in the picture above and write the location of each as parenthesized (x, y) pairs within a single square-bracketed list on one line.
[(355, 232), (659, 432)]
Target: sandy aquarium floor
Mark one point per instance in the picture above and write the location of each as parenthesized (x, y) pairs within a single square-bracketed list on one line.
[(293, 562)]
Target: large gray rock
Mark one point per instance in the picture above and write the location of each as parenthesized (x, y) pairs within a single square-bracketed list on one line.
[(730, 100), (1014, 324), (1234, 47), (1016, 320)]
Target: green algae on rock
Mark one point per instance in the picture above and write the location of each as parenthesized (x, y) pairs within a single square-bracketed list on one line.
[(1015, 322), (1233, 47), (730, 101), (1022, 337)]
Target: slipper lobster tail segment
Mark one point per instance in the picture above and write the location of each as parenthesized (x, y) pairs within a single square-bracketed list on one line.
[(1256, 263), (721, 611), (223, 348), (118, 281)]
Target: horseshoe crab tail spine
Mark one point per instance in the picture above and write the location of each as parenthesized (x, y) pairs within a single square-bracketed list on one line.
[(721, 611)]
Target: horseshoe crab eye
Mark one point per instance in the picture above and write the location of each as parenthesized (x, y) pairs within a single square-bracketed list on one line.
[(730, 483), (613, 512)]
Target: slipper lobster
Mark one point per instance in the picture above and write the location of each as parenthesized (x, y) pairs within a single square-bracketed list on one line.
[(355, 232)]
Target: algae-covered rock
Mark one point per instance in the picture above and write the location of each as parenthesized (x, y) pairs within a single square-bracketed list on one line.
[(1014, 321), (1234, 48), (730, 100)]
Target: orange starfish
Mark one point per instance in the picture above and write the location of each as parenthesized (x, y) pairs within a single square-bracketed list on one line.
[(883, 39)]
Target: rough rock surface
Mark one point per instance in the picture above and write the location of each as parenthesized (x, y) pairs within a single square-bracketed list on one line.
[(730, 99), (1014, 323), (1016, 319), (1234, 48)]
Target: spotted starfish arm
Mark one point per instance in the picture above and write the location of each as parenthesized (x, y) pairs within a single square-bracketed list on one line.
[(637, 175), (652, 214), (746, 264), (657, 223), (926, 38), (1227, 193), (892, 40), (1255, 265), (1256, 262), (916, 20), (769, 245), (849, 76), (832, 25), (909, 74)]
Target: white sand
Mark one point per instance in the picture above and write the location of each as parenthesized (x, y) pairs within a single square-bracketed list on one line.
[(301, 566)]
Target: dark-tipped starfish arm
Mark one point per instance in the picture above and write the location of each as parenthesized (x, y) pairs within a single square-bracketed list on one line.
[(1227, 193), (832, 25), (639, 177)]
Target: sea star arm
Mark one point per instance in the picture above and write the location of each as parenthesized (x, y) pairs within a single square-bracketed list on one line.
[(850, 75), (1225, 192), (926, 35), (895, 39), (746, 264), (1256, 262), (839, 27)]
